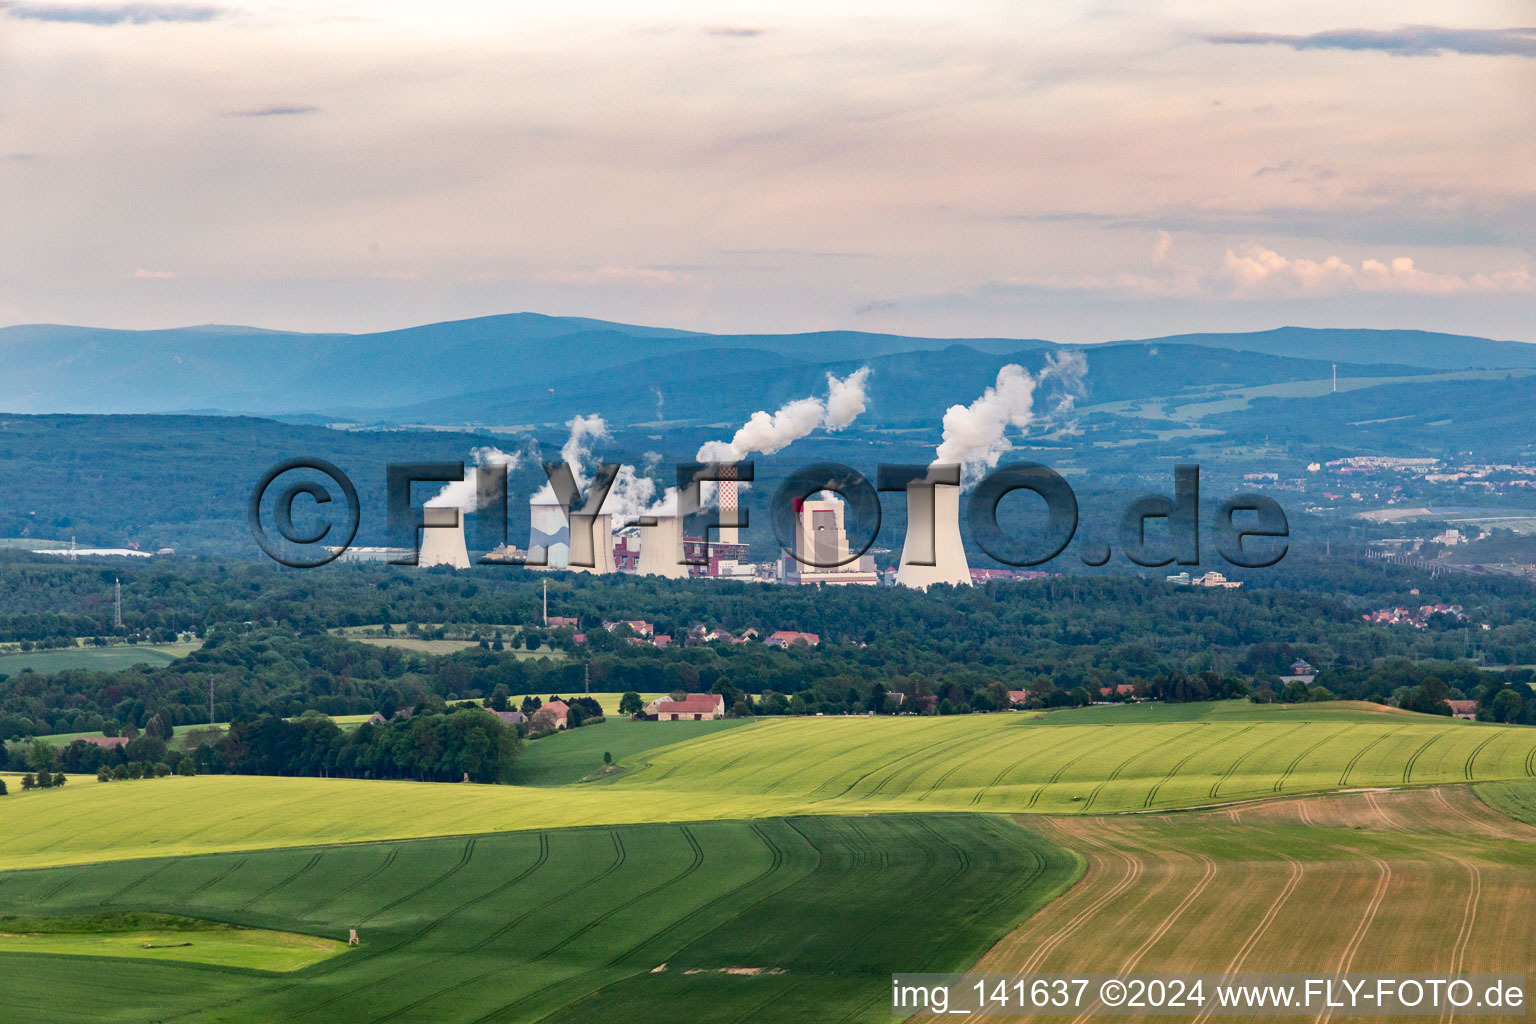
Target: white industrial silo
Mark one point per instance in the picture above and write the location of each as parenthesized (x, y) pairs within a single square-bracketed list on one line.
[(594, 545), (549, 533), (442, 538), (948, 553), (661, 548)]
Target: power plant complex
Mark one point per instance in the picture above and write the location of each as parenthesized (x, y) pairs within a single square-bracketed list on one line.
[(656, 545)]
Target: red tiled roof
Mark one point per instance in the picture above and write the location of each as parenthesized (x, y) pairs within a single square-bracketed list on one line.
[(107, 742), (559, 707), (693, 704), (789, 636)]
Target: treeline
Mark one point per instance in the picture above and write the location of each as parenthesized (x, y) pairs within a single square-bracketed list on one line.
[(429, 746), (275, 673), (1060, 619), (434, 744)]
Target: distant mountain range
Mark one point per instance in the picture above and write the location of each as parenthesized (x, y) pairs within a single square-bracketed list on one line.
[(526, 368)]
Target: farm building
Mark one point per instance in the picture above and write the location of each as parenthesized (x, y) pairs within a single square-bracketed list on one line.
[(1018, 696), (695, 707), (558, 712), (1464, 709)]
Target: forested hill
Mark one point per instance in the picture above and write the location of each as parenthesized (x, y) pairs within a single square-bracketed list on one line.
[(456, 369)]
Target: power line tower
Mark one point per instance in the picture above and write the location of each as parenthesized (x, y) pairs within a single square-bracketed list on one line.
[(117, 606)]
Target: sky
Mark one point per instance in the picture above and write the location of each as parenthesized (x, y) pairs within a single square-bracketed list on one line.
[(1079, 171)]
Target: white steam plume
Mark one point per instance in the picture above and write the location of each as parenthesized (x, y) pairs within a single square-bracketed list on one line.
[(975, 435), (765, 434), (577, 450), (464, 494)]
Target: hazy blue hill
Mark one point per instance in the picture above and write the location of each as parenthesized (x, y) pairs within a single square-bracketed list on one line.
[(906, 389), (1434, 418), (492, 369), (1415, 348)]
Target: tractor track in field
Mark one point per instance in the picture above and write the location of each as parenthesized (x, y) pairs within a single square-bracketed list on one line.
[(1126, 763), (1134, 868), (539, 862), (1232, 768), (1466, 769), (778, 859), (239, 862), (1350, 766), (1408, 768), (961, 761), (1152, 793), (1298, 869), (1468, 919), (1032, 755), (1347, 958), (1056, 776), (1280, 782), (1168, 921), (165, 866), (384, 865), (269, 890)]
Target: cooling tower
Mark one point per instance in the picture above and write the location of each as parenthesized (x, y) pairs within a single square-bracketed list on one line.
[(948, 554), (549, 534), (584, 539), (442, 539), (661, 549)]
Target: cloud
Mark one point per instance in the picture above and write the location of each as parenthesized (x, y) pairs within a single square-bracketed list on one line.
[(1408, 41), (274, 112), (611, 275), (1162, 247), (152, 275), (1254, 267), (113, 14), (735, 31)]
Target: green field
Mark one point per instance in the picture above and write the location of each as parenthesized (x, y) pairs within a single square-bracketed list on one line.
[(785, 767), (165, 938), (701, 922), (566, 757), (97, 659)]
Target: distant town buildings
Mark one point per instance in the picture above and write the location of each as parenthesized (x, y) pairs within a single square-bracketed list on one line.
[(1415, 617), (1210, 579)]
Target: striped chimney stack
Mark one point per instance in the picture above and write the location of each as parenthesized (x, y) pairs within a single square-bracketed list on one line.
[(727, 502)]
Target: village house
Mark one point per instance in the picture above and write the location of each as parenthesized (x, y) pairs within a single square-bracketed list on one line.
[(511, 717), (558, 713), (1018, 696), (783, 638), (695, 707), (557, 621)]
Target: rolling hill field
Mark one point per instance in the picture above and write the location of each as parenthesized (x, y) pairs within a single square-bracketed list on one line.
[(1406, 882), (699, 922), (1136, 758), (782, 869)]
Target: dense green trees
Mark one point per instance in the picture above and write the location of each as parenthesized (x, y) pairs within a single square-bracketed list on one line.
[(430, 746)]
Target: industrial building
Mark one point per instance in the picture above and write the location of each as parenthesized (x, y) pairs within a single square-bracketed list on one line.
[(821, 553)]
